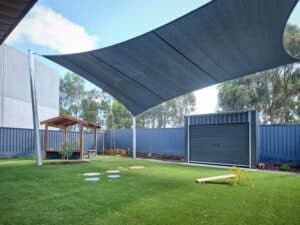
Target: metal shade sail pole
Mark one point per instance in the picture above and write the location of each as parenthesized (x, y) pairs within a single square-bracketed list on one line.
[(34, 108), (133, 137)]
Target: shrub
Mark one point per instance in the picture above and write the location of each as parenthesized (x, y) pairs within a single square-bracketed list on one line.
[(66, 150), (285, 167), (129, 152)]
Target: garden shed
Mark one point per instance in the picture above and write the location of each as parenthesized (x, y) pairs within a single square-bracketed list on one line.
[(223, 139), (63, 122)]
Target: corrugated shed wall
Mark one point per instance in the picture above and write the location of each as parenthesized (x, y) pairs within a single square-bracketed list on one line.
[(277, 143), (222, 118)]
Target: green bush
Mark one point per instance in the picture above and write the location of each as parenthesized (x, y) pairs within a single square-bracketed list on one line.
[(66, 150), (285, 167), (129, 152)]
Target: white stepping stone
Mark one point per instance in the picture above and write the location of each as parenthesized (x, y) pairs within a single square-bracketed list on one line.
[(91, 174), (113, 171), (92, 179)]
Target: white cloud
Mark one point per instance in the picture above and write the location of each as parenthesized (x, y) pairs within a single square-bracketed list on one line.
[(206, 100), (45, 27)]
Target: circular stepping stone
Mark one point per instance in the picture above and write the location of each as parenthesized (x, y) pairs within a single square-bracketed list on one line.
[(113, 171), (92, 179), (91, 174), (137, 167), (113, 176)]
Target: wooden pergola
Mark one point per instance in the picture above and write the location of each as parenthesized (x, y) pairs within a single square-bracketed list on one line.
[(63, 122)]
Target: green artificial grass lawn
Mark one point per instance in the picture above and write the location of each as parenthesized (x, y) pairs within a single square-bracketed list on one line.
[(160, 194)]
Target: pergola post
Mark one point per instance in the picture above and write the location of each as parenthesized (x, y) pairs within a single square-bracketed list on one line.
[(46, 141), (103, 133), (66, 135), (133, 137), (34, 108), (81, 142), (95, 139)]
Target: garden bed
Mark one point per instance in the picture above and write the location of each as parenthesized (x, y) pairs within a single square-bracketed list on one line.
[(274, 167), (164, 157), (65, 162)]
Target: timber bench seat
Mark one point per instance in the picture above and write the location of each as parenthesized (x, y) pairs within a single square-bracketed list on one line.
[(92, 153)]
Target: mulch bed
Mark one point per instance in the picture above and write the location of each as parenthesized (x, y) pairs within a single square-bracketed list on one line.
[(146, 155), (67, 162), (163, 157), (295, 169)]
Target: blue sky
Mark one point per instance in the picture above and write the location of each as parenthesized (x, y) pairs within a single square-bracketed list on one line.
[(54, 27)]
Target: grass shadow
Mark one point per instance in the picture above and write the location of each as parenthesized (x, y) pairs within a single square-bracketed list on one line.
[(220, 182)]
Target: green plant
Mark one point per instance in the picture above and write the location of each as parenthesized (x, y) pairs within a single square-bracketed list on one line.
[(66, 150), (285, 167), (129, 152)]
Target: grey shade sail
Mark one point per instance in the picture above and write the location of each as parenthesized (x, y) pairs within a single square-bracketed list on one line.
[(220, 41), (11, 13)]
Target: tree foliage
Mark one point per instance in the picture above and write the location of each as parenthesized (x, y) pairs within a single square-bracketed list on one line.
[(120, 117), (274, 93), (71, 92), (91, 105), (168, 114)]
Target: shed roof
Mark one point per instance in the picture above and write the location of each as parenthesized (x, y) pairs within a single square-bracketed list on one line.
[(66, 121), (11, 13), (217, 42)]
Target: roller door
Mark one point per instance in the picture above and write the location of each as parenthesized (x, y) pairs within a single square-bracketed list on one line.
[(226, 144)]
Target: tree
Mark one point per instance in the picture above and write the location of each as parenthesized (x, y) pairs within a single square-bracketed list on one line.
[(168, 114), (120, 117), (184, 105), (71, 92), (274, 93), (91, 105)]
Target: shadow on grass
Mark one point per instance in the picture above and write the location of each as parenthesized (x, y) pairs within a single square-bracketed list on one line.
[(220, 182)]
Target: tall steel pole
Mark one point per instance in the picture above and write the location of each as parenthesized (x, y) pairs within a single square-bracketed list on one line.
[(133, 137), (34, 108)]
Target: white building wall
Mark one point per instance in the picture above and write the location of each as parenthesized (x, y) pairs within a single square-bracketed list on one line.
[(15, 103)]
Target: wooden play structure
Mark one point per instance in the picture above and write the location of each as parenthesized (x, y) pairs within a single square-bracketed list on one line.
[(236, 173), (63, 122)]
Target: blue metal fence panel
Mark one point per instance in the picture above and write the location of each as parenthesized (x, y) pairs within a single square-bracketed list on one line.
[(157, 140), (280, 143), (163, 141), (16, 142)]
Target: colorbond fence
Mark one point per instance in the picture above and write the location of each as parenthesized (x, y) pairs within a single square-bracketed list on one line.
[(158, 140), (280, 143), (277, 143), (16, 142)]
